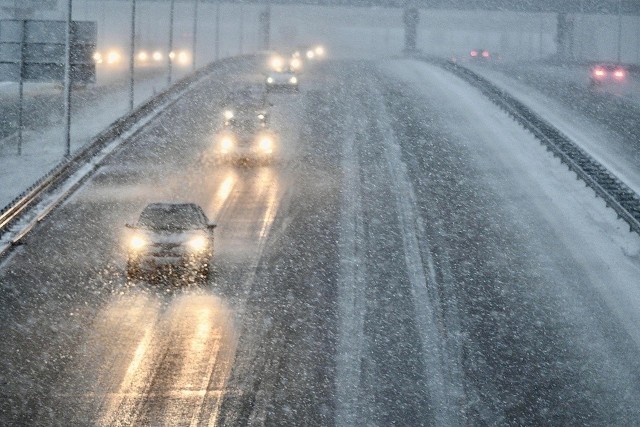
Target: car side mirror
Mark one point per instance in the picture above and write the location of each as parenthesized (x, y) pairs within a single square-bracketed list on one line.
[(211, 226)]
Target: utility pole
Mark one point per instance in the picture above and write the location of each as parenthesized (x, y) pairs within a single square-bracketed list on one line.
[(194, 41), (67, 81), (619, 31), (132, 54), (21, 86), (241, 29), (216, 55), (171, 53)]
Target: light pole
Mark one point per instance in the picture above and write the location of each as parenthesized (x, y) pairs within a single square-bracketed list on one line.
[(241, 29), (619, 30), (216, 43), (67, 81), (171, 53), (195, 36), (132, 54)]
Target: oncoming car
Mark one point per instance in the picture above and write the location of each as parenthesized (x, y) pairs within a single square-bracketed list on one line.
[(285, 80), (607, 73), (170, 239), (245, 137)]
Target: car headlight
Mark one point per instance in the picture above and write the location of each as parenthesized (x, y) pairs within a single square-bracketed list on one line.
[(143, 56), (319, 50), (228, 114), (293, 80), (137, 243), (198, 244), (183, 57), (270, 80), (113, 57), (266, 144), (97, 57), (261, 117), (276, 62), (310, 54), (295, 63), (157, 56), (226, 144)]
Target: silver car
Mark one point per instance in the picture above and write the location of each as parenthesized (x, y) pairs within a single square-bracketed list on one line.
[(170, 239)]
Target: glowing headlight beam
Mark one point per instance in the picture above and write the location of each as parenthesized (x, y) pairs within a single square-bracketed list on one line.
[(266, 144), (113, 57), (226, 144), (183, 57), (137, 243), (198, 244), (277, 63)]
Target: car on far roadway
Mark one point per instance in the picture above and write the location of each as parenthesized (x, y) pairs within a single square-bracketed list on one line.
[(480, 54), (607, 73), (169, 240), (283, 80)]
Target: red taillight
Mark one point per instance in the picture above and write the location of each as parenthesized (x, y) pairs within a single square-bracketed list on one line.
[(485, 53), (474, 53), (618, 74), (599, 73)]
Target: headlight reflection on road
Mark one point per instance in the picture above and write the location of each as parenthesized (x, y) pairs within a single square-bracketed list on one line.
[(176, 358), (209, 343), (223, 192), (268, 187)]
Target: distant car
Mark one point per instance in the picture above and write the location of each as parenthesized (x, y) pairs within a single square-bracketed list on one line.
[(242, 112), (480, 54), (170, 239), (607, 73), (251, 94), (246, 138), (284, 80)]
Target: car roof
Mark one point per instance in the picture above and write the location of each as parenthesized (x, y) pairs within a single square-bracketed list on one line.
[(194, 213)]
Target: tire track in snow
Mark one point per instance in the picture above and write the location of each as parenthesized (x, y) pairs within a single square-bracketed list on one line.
[(351, 285), (445, 388)]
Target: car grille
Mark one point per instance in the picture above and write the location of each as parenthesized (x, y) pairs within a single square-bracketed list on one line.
[(166, 249)]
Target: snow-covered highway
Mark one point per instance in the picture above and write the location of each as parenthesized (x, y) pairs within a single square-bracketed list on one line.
[(414, 258)]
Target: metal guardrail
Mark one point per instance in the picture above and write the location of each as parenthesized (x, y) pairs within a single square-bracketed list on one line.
[(617, 195), (67, 167)]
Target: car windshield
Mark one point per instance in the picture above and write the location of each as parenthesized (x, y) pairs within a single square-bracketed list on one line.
[(171, 217), (246, 124)]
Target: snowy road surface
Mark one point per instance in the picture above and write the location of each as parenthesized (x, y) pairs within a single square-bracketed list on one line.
[(415, 258), (602, 120)]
